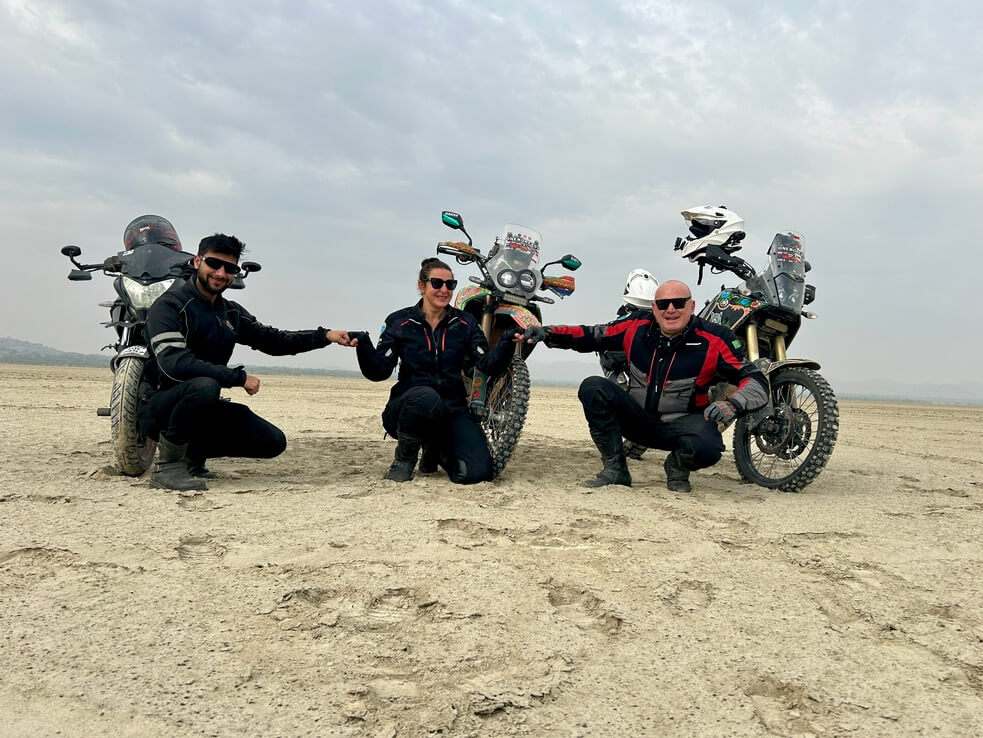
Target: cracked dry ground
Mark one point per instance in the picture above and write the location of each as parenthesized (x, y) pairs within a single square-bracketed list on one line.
[(307, 596)]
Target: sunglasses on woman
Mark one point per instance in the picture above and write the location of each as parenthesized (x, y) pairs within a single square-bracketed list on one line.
[(228, 266), (437, 283), (677, 302)]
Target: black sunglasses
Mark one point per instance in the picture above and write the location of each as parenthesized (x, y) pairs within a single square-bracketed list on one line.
[(437, 283), (677, 302), (228, 266)]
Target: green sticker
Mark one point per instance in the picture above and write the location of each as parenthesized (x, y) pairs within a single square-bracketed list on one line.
[(736, 343)]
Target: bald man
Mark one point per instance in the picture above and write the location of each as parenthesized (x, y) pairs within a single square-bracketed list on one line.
[(674, 357)]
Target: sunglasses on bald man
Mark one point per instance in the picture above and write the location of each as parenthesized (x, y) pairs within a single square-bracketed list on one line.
[(677, 302)]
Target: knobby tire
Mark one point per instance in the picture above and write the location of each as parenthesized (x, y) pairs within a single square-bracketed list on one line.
[(507, 402), (789, 449)]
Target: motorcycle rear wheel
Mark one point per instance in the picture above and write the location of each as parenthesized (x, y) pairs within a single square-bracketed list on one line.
[(506, 405), (133, 451), (789, 448)]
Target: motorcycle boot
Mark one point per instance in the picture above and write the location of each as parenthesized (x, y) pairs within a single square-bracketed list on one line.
[(429, 459), (612, 450), (171, 469), (677, 475), (407, 449), (197, 468)]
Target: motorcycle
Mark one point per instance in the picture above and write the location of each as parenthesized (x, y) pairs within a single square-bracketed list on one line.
[(504, 297), (785, 444), (142, 274)]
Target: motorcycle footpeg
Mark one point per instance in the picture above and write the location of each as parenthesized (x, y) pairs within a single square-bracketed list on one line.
[(102, 412)]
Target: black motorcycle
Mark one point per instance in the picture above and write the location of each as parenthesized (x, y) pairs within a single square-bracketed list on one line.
[(142, 274)]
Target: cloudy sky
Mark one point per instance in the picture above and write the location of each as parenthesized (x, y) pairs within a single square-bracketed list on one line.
[(330, 135)]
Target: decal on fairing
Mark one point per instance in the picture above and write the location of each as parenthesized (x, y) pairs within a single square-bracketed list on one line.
[(468, 293), (730, 309)]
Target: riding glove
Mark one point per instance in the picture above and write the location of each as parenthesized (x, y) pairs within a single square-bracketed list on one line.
[(722, 413), (535, 334)]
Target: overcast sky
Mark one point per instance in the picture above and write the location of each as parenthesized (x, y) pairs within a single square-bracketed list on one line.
[(330, 135)]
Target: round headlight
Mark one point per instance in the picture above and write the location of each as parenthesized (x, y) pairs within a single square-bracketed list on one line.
[(508, 278), (528, 280)]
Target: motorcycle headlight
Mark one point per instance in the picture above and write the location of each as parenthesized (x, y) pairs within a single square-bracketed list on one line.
[(508, 278), (143, 295), (527, 280)]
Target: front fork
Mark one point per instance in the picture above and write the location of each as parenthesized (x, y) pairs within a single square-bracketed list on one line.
[(479, 380)]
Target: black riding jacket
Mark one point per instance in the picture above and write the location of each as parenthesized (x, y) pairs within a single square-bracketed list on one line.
[(192, 337), (671, 377), (432, 357)]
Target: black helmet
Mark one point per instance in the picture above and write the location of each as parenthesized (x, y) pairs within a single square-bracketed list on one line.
[(150, 229)]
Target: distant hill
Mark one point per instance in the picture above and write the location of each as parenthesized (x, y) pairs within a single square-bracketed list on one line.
[(544, 372)]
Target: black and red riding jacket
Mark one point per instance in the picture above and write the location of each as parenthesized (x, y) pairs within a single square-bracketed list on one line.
[(671, 377)]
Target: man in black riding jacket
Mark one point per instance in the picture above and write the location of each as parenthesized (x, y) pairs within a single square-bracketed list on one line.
[(192, 331), (674, 357)]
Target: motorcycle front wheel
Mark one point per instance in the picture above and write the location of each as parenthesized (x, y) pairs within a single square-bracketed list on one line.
[(506, 405), (134, 452), (789, 447)]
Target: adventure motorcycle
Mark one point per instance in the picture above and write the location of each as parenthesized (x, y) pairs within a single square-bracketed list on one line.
[(142, 274), (504, 297), (785, 444)]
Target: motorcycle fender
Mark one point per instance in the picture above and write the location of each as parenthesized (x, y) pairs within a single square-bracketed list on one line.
[(772, 366), (136, 352), (523, 317)]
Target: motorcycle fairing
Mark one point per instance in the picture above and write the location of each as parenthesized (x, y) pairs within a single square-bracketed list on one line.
[(152, 262), (731, 309), (468, 293)]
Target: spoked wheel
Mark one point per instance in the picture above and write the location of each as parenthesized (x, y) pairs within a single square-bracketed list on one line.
[(134, 452), (789, 448), (506, 405), (632, 450)]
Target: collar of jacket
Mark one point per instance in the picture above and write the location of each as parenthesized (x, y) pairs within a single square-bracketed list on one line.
[(418, 312), (657, 332)]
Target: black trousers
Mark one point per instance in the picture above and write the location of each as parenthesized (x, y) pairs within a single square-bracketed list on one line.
[(608, 408), (420, 413), (194, 413)]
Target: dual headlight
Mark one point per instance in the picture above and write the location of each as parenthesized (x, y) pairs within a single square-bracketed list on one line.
[(526, 280)]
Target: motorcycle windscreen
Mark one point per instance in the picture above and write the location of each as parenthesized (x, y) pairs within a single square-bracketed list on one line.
[(154, 261), (785, 277), (514, 260)]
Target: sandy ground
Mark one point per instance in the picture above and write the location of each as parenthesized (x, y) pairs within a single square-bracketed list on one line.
[(308, 596)]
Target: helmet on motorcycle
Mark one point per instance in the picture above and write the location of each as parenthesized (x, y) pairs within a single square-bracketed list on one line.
[(640, 288), (711, 226), (150, 229)]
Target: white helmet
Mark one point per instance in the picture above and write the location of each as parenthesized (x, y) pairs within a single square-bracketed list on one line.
[(640, 288), (711, 226)]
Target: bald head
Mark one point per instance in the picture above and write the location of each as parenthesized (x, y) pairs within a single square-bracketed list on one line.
[(678, 308)]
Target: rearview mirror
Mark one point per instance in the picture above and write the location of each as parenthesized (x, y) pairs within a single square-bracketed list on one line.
[(452, 220), (71, 251), (250, 266), (570, 262)]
